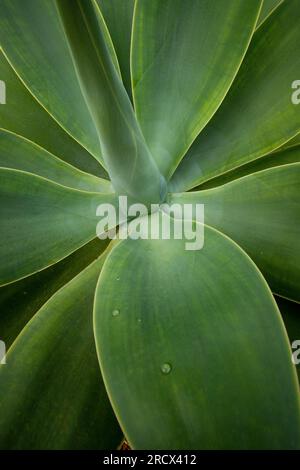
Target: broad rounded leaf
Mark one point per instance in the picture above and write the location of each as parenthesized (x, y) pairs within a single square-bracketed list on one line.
[(196, 355), (51, 392), (261, 212)]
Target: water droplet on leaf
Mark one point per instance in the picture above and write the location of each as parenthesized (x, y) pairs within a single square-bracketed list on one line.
[(115, 313), (166, 368)]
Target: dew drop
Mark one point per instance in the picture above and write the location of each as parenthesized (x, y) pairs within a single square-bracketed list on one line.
[(115, 313), (166, 368), (118, 278)]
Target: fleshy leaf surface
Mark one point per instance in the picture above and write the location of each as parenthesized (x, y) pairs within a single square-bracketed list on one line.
[(261, 212), (21, 300), (51, 392), (18, 153), (42, 222), (131, 167), (118, 17), (258, 114), (34, 41), (178, 74), (23, 115), (195, 357), (284, 156), (290, 312)]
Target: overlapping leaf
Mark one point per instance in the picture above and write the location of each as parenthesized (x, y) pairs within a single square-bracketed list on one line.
[(51, 392), (295, 141), (257, 115), (21, 300), (178, 73), (288, 154), (196, 356), (290, 314), (42, 222), (23, 115), (131, 167), (21, 154), (34, 41), (262, 213), (267, 8), (118, 17)]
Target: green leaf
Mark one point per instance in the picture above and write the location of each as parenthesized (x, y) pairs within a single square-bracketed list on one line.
[(178, 73), (261, 212), (118, 17), (268, 7), (277, 158), (20, 300), (257, 115), (290, 314), (21, 154), (131, 167), (34, 41), (42, 222), (295, 141), (52, 394), (34, 123), (195, 357)]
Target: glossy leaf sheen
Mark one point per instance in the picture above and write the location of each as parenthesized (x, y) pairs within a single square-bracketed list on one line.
[(267, 9), (34, 123), (131, 167), (118, 17), (178, 74), (51, 392), (290, 312), (197, 356), (32, 37), (21, 154), (277, 158), (42, 222), (261, 212), (295, 141), (257, 115), (21, 300), (192, 346)]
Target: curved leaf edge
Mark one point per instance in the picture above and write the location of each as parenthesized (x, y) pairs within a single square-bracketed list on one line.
[(57, 159), (192, 190), (269, 14), (260, 275), (49, 114), (184, 153), (67, 254), (218, 175), (11, 348)]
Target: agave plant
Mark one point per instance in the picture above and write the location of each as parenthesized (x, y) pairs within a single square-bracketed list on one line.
[(162, 101)]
